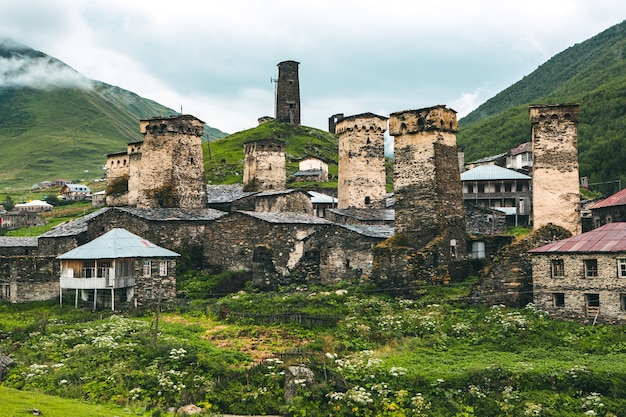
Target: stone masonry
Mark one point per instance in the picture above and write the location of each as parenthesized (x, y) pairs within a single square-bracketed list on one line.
[(362, 161), (264, 166), (172, 172), (556, 194)]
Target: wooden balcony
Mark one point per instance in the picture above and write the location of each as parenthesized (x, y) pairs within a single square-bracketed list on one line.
[(72, 283)]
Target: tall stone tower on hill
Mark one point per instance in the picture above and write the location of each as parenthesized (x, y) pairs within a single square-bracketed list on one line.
[(556, 192), (362, 161), (172, 168), (288, 93)]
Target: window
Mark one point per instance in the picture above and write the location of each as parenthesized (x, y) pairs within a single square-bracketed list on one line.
[(591, 268), (558, 268), (558, 299), (147, 268), (592, 300), (478, 250), (621, 268), (481, 188), (5, 291), (622, 302), (89, 269), (103, 269), (163, 268), (368, 200)]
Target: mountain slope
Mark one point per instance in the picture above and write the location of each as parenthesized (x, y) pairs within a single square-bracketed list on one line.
[(56, 123), (593, 74)]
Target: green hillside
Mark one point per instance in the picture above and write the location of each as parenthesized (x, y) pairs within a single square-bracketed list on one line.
[(49, 132), (223, 159), (592, 73)]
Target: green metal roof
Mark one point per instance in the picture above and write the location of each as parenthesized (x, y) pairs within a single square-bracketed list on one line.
[(116, 244)]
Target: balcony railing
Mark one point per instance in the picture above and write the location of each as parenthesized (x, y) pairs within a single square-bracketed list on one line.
[(96, 283)]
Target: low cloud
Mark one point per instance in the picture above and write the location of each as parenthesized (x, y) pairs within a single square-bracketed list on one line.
[(43, 73)]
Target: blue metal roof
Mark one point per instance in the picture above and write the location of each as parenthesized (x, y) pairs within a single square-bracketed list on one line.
[(116, 244), (492, 172)]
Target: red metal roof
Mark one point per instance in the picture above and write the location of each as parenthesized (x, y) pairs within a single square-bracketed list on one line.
[(617, 199), (608, 238)]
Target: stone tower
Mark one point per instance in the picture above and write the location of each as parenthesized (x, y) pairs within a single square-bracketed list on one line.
[(362, 161), (556, 192), (288, 93), (264, 165), (172, 166), (427, 182)]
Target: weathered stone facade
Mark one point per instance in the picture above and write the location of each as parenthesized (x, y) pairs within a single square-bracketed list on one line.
[(362, 177), (484, 221), (264, 166), (583, 278), (288, 93), (430, 240), (556, 193), (172, 172)]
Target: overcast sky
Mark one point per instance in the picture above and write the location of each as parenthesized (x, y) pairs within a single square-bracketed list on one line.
[(216, 58)]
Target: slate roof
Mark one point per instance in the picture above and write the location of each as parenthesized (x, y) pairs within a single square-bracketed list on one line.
[(488, 159), (492, 172), (13, 242), (617, 199), (383, 232), (608, 238), (366, 214), (118, 243), (308, 173), (173, 214), (74, 227), (286, 217), (226, 193)]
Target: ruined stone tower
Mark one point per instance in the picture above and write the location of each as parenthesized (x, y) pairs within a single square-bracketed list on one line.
[(264, 165), (427, 182), (172, 168), (556, 193), (288, 93), (362, 161)]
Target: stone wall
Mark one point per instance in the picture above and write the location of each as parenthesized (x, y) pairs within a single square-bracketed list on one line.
[(362, 178), (264, 166), (172, 171), (484, 221), (30, 278), (556, 193)]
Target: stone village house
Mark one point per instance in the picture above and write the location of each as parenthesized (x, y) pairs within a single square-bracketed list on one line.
[(118, 267), (583, 277)]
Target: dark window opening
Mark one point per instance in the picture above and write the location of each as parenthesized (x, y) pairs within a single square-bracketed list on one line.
[(591, 268), (592, 300), (367, 200), (558, 299), (558, 268)]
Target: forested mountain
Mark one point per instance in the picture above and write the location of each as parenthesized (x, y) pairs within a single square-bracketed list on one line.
[(55, 123), (593, 74)]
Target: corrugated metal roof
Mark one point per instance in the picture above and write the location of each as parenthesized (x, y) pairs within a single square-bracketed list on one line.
[(608, 238), (118, 243), (617, 199), (492, 172), (524, 147), (321, 198)]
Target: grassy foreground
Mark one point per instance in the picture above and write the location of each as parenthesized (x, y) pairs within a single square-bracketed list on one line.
[(16, 403)]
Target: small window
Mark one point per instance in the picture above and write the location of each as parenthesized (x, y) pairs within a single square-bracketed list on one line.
[(498, 188), (609, 219), (508, 187), (621, 268), (481, 188), (470, 188), (147, 268), (368, 200), (558, 268), (5, 291), (591, 268), (163, 268), (558, 299), (622, 302), (592, 300)]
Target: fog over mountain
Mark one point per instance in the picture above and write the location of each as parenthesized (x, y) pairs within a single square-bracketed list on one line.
[(21, 66)]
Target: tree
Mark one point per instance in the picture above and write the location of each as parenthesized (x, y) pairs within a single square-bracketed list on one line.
[(8, 203)]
